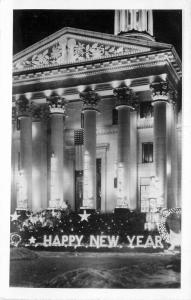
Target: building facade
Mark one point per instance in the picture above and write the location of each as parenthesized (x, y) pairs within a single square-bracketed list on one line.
[(97, 120)]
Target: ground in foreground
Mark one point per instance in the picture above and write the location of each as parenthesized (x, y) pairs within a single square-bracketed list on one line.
[(94, 270)]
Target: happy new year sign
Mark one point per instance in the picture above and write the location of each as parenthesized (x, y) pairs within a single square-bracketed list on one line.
[(102, 241)]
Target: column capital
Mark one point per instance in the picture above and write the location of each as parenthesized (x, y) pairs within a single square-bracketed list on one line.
[(56, 105), (90, 100), (23, 108), (14, 114), (124, 98), (161, 91), (39, 111)]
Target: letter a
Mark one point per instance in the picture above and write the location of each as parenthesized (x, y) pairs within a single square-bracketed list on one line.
[(149, 242)]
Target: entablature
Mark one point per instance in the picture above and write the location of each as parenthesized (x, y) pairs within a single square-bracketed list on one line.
[(120, 68)]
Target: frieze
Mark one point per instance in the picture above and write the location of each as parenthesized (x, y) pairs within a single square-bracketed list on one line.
[(67, 50)]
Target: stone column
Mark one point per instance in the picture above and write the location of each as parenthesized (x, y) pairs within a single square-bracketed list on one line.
[(79, 150), (36, 166), (144, 20), (24, 181), (90, 101), (14, 160), (133, 160), (124, 105), (39, 177), (150, 21), (172, 158), (57, 115), (44, 160), (179, 160), (164, 144), (116, 26)]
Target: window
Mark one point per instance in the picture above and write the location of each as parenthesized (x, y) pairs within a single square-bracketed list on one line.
[(147, 152), (114, 116)]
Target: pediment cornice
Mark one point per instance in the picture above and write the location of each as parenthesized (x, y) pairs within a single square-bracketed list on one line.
[(71, 45)]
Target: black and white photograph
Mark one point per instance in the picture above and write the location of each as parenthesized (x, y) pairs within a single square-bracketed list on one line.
[(96, 149)]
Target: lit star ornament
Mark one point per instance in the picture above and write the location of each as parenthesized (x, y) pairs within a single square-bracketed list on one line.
[(14, 216), (84, 216), (32, 240)]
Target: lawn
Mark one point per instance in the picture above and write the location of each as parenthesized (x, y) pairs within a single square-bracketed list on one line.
[(93, 269)]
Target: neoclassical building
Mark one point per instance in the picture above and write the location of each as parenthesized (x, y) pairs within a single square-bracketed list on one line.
[(97, 120)]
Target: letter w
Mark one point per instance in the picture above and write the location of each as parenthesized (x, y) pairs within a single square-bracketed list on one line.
[(113, 241)]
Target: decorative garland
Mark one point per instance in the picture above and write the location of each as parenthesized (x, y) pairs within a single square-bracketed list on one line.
[(165, 213)]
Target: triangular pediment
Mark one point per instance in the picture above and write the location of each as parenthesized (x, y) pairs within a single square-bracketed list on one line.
[(71, 45)]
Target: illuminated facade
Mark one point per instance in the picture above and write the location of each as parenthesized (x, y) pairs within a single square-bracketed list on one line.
[(97, 120)]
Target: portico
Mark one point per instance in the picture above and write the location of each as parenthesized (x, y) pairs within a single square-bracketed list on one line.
[(84, 133)]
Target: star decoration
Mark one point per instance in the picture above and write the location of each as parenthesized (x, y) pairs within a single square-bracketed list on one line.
[(14, 216), (84, 216), (32, 240)]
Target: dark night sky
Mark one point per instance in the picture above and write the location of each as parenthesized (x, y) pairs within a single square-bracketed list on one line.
[(30, 26)]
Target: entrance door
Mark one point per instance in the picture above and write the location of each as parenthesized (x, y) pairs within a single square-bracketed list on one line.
[(79, 186)]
